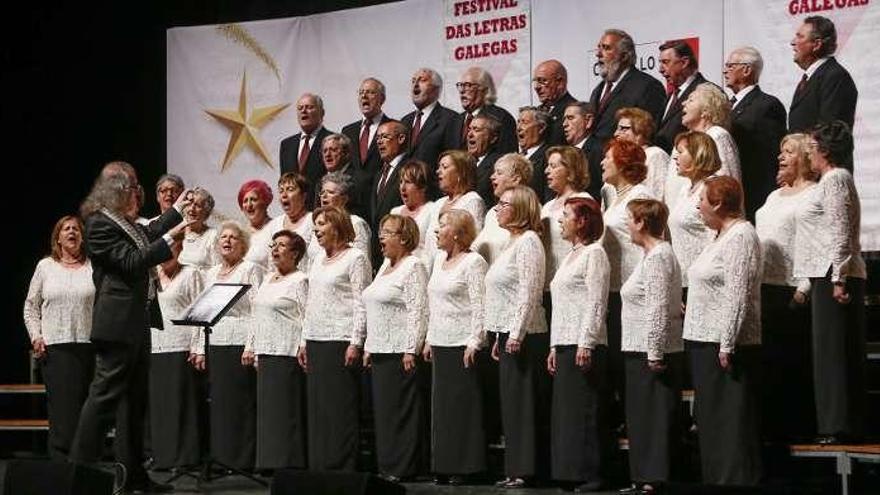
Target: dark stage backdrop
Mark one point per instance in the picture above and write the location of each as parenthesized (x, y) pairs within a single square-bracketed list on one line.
[(82, 84)]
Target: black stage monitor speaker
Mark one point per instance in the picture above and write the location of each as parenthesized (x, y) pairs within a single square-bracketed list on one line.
[(32, 477), (293, 482)]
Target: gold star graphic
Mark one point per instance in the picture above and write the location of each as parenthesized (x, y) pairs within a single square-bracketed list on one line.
[(245, 129)]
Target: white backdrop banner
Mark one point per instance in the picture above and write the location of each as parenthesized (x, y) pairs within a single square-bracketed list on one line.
[(231, 89)]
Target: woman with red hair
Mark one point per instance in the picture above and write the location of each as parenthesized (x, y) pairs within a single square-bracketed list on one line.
[(577, 345), (722, 332), (624, 172), (254, 198)]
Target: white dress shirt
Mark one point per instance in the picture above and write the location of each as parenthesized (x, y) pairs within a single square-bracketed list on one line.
[(456, 298), (724, 297), (279, 309), (580, 298), (59, 303), (651, 312), (775, 223), (397, 308), (335, 308), (622, 253), (514, 284), (828, 223)]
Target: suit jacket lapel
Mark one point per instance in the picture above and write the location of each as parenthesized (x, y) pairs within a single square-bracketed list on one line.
[(746, 101)]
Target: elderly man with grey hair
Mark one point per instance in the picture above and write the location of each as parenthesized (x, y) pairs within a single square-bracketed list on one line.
[(476, 91), (757, 126), (622, 85), (532, 129), (362, 132), (550, 82), (336, 152), (429, 122), (302, 151)]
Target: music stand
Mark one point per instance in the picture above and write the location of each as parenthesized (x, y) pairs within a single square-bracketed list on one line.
[(211, 305)]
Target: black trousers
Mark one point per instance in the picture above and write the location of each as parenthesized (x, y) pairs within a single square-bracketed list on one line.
[(839, 358), (118, 391), (67, 370)]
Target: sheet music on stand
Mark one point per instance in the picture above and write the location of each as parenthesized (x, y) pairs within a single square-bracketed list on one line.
[(211, 305)]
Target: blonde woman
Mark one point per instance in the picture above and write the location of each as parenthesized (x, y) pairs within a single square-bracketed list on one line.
[(510, 170)]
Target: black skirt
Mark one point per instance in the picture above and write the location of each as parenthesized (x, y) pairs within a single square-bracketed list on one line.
[(575, 443), (233, 407), (786, 345), (398, 415), (333, 392), (67, 370), (175, 402), (839, 358), (458, 439), (653, 407), (281, 413), (726, 412), (524, 404)]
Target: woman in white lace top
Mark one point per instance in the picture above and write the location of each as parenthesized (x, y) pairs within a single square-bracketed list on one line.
[(514, 284), (233, 380), (785, 319), (254, 198), (568, 177), (722, 332), (456, 333), (279, 308), (58, 317), (200, 240), (397, 321), (578, 341), (707, 109), (638, 126), (510, 170), (175, 396), (696, 159), (336, 190), (333, 333), (652, 346), (414, 177), (827, 251), (292, 193), (457, 178)]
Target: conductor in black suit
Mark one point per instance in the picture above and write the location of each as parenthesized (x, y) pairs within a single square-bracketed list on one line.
[(123, 255), (476, 90), (757, 126), (532, 128), (679, 67), (578, 123), (550, 82), (623, 85), (826, 91), (362, 133), (302, 151)]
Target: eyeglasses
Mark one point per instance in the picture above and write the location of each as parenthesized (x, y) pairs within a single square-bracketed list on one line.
[(280, 245), (385, 137), (540, 81), (730, 65), (501, 205), (367, 92), (623, 128), (466, 86), (384, 234)]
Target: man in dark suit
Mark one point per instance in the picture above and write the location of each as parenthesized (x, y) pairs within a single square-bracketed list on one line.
[(123, 255), (476, 90), (758, 125), (362, 133), (826, 91), (577, 122), (385, 189), (622, 84), (302, 151), (336, 151), (482, 141), (550, 82), (532, 127), (679, 67)]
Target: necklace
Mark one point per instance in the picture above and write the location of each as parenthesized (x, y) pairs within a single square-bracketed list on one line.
[(225, 272), (622, 192), (73, 262)]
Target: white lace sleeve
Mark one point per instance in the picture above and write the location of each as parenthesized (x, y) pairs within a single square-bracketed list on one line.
[(475, 276), (530, 284), (728, 153), (301, 296), (33, 304), (362, 236), (415, 297), (477, 208), (597, 278), (742, 257), (359, 273), (657, 301), (803, 285), (253, 276), (838, 203)]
